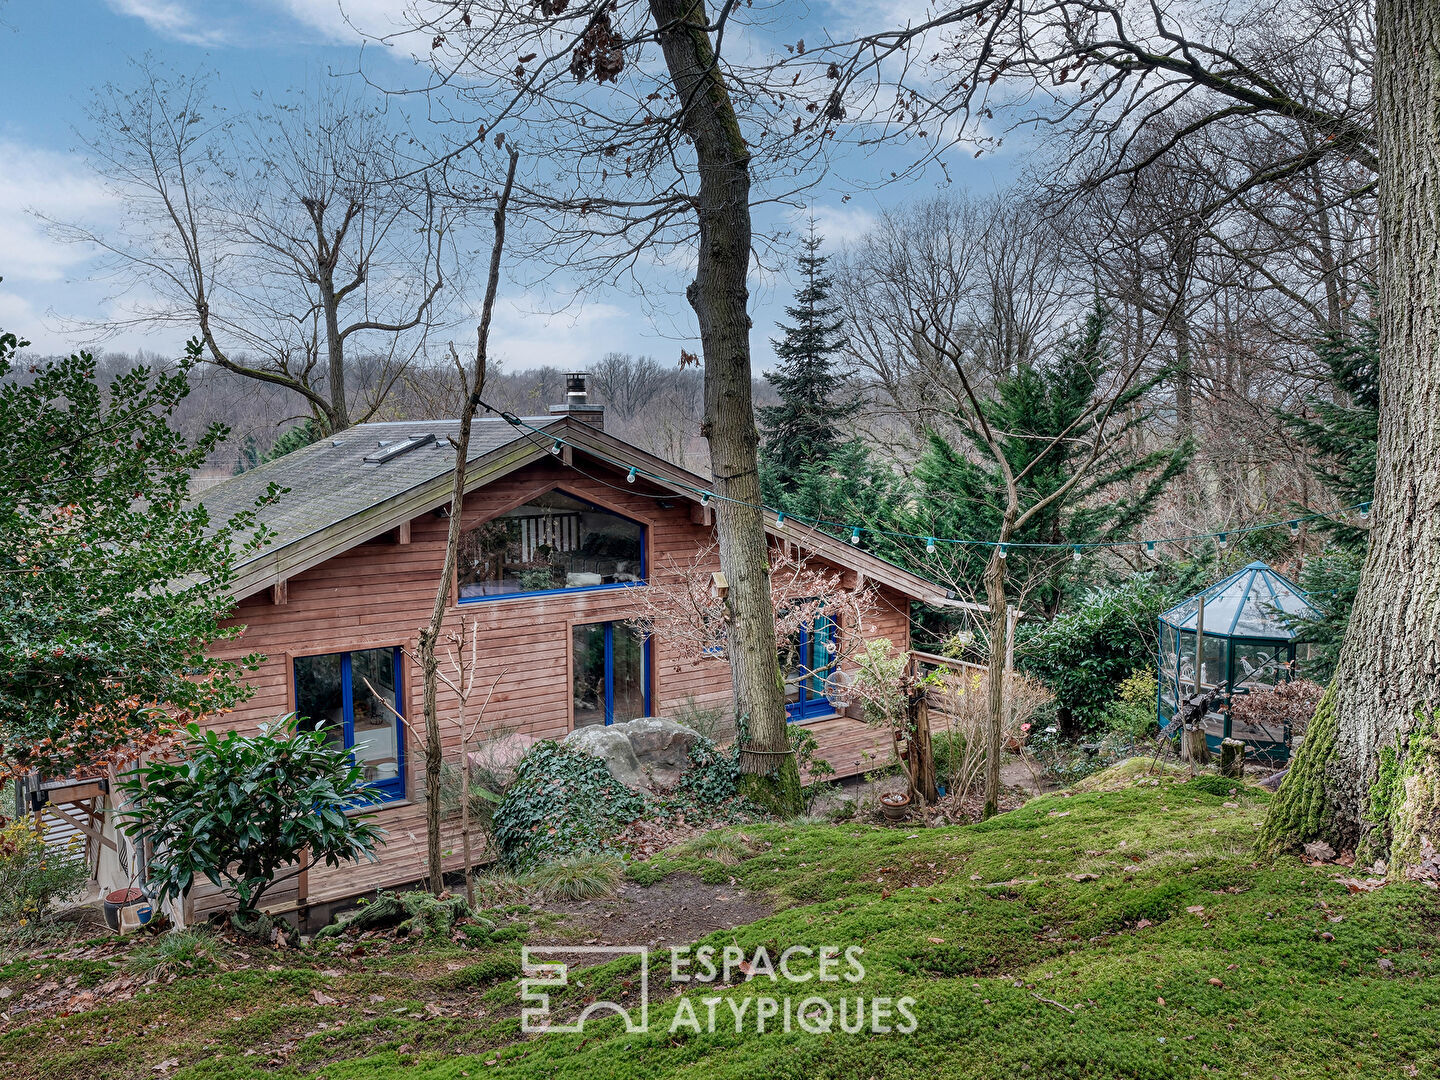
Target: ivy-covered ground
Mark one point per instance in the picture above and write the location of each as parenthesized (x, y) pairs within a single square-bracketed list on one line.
[(1127, 933)]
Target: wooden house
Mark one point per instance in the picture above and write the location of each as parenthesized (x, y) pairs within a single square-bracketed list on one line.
[(558, 535)]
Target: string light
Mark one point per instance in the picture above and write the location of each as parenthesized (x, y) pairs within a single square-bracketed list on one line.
[(1002, 550)]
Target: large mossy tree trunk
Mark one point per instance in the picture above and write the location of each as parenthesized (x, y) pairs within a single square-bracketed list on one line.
[(1372, 720), (720, 296)]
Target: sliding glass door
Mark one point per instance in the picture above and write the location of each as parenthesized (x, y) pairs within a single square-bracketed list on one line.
[(808, 662)]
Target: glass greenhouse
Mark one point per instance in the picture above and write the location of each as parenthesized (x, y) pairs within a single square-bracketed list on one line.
[(1243, 626)]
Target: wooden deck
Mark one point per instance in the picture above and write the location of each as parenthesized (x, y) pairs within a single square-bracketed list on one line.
[(852, 747)]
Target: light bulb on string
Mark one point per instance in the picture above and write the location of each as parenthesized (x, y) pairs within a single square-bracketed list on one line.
[(555, 449), (1365, 511), (1150, 548), (780, 520), (704, 498), (1294, 529), (1221, 540), (929, 545), (630, 476), (1075, 555), (1004, 550), (855, 534)]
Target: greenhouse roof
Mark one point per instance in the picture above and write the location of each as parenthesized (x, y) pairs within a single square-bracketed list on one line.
[(1253, 602)]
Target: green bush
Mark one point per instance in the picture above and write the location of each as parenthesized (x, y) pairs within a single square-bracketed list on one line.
[(1132, 713), (239, 810), (561, 803), (33, 878), (1085, 653), (564, 804)]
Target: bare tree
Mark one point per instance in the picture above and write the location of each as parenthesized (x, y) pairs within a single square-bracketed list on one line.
[(473, 379), (282, 235), (647, 139)]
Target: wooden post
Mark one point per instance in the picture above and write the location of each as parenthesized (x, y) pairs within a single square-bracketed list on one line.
[(1232, 759), (1196, 750), (922, 749)]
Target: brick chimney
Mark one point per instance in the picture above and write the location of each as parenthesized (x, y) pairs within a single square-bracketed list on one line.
[(577, 401)]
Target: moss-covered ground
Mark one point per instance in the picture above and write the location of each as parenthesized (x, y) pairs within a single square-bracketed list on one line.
[(1129, 932)]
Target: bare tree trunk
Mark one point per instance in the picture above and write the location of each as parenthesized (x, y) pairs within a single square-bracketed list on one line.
[(720, 295), (465, 778), (334, 357), (995, 676), (1377, 723), (430, 634)]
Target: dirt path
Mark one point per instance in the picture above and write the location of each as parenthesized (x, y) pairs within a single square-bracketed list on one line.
[(678, 910)]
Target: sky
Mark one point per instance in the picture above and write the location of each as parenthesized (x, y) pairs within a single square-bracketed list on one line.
[(57, 52)]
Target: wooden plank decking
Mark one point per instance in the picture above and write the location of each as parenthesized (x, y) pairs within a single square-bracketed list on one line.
[(851, 746)]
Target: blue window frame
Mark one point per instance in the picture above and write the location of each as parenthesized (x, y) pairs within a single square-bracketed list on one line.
[(809, 672), (353, 697), (556, 542), (609, 672)]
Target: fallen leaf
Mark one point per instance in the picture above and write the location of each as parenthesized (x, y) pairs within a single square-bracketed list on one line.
[(1196, 909), (1159, 1001), (322, 998), (1216, 982), (936, 940)]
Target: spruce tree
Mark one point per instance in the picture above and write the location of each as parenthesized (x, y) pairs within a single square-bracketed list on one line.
[(959, 492), (809, 424), (1341, 430)]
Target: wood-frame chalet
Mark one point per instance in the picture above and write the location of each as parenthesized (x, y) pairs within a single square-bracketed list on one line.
[(350, 576)]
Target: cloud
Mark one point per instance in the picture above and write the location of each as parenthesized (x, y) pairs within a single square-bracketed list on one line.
[(177, 20), (839, 225), (56, 185), (348, 21), (531, 333)]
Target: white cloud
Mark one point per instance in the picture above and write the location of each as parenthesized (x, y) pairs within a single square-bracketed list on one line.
[(529, 333), (52, 184), (348, 21), (174, 19)]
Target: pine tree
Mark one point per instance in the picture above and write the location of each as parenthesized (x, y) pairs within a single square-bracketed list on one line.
[(961, 494), (1342, 432), (808, 426)]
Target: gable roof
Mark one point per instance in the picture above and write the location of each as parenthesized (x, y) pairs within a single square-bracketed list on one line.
[(337, 498)]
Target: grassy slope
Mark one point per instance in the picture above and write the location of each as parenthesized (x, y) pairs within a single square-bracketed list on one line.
[(1291, 1003)]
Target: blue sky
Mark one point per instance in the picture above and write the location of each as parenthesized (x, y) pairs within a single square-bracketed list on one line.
[(57, 51)]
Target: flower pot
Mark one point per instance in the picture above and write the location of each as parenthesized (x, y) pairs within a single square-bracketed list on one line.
[(119, 900), (895, 805)]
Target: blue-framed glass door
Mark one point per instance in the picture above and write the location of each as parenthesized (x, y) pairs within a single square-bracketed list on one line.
[(610, 673), (813, 662), (353, 697)]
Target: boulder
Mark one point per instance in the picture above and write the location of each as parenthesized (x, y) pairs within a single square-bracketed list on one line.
[(649, 754)]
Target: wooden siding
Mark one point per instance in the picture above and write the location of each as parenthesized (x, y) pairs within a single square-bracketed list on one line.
[(379, 593)]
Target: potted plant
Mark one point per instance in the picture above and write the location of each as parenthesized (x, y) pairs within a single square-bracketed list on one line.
[(895, 805)]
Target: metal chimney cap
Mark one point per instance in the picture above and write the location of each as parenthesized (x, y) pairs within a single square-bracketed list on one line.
[(575, 382)]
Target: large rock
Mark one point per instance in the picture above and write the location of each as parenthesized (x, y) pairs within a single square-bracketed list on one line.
[(649, 754)]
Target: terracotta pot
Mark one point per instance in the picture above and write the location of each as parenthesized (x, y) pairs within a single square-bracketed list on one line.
[(895, 805)]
